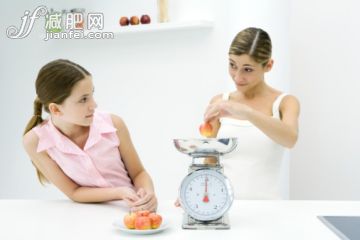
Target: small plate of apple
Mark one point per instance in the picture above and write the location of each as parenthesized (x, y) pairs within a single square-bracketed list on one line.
[(141, 223)]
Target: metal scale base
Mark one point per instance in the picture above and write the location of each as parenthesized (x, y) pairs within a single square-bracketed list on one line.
[(191, 223), (201, 151)]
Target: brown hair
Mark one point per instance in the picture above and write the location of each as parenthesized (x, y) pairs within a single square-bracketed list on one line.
[(53, 85), (252, 41)]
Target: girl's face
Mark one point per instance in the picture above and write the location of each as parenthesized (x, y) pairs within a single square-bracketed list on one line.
[(245, 72), (79, 107)]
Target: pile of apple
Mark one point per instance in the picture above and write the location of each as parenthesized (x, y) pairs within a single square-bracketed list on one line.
[(134, 20), (142, 220)]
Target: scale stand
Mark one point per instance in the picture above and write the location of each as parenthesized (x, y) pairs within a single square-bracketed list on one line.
[(205, 193), (191, 223)]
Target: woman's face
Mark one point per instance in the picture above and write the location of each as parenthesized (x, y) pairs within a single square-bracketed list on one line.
[(79, 107), (245, 72)]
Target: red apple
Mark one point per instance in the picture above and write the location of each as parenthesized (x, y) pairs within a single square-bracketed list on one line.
[(156, 220), (124, 21), (129, 220), (142, 213), (134, 20), (145, 19), (206, 129), (142, 223)]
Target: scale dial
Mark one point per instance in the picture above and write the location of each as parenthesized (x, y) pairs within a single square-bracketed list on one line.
[(206, 194)]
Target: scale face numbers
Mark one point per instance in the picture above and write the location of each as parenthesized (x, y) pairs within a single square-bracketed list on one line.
[(206, 194)]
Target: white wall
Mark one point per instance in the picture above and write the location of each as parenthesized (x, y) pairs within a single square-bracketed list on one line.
[(160, 83), (324, 75)]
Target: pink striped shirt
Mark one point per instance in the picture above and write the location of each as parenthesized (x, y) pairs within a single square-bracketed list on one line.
[(99, 164)]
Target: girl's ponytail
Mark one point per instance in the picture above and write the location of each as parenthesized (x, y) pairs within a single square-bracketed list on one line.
[(36, 118), (34, 121)]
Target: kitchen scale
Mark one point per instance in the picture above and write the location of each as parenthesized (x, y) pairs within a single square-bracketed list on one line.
[(205, 193)]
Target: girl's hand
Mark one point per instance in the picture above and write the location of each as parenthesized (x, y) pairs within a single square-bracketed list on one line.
[(141, 192), (146, 201), (128, 195), (226, 109)]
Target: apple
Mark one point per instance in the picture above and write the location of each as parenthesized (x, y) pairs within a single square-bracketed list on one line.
[(142, 220), (134, 20), (145, 19), (129, 220), (156, 220), (142, 213), (206, 129), (124, 21), (142, 223)]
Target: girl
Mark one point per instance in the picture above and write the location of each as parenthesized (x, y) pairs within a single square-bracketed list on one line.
[(87, 154), (264, 119)]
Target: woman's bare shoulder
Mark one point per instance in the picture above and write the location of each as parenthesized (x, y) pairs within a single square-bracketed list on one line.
[(290, 102), (217, 98), (288, 98)]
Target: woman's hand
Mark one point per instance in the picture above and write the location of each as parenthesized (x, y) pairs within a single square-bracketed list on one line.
[(146, 201), (177, 203), (226, 109)]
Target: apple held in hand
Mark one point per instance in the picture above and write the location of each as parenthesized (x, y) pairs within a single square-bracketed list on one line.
[(206, 129)]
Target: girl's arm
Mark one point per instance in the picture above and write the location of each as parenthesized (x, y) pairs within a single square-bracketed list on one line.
[(55, 175), (141, 179)]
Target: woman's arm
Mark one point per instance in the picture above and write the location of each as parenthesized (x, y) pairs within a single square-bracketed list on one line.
[(283, 131), (141, 179), (55, 175), (215, 123)]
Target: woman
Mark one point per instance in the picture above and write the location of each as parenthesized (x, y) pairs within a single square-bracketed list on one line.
[(264, 119)]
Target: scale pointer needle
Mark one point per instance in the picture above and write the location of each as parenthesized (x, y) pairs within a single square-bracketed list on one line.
[(206, 197)]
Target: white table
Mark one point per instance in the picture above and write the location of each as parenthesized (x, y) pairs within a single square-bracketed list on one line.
[(63, 219)]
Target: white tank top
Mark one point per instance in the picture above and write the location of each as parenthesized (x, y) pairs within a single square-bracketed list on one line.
[(253, 168)]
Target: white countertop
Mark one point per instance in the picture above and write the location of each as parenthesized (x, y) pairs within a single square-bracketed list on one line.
[(63, 219)]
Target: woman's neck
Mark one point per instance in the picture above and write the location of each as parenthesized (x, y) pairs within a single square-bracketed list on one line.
[(256, 91)]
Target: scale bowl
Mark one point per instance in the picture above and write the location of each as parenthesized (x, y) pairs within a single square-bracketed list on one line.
[(206, 146)]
